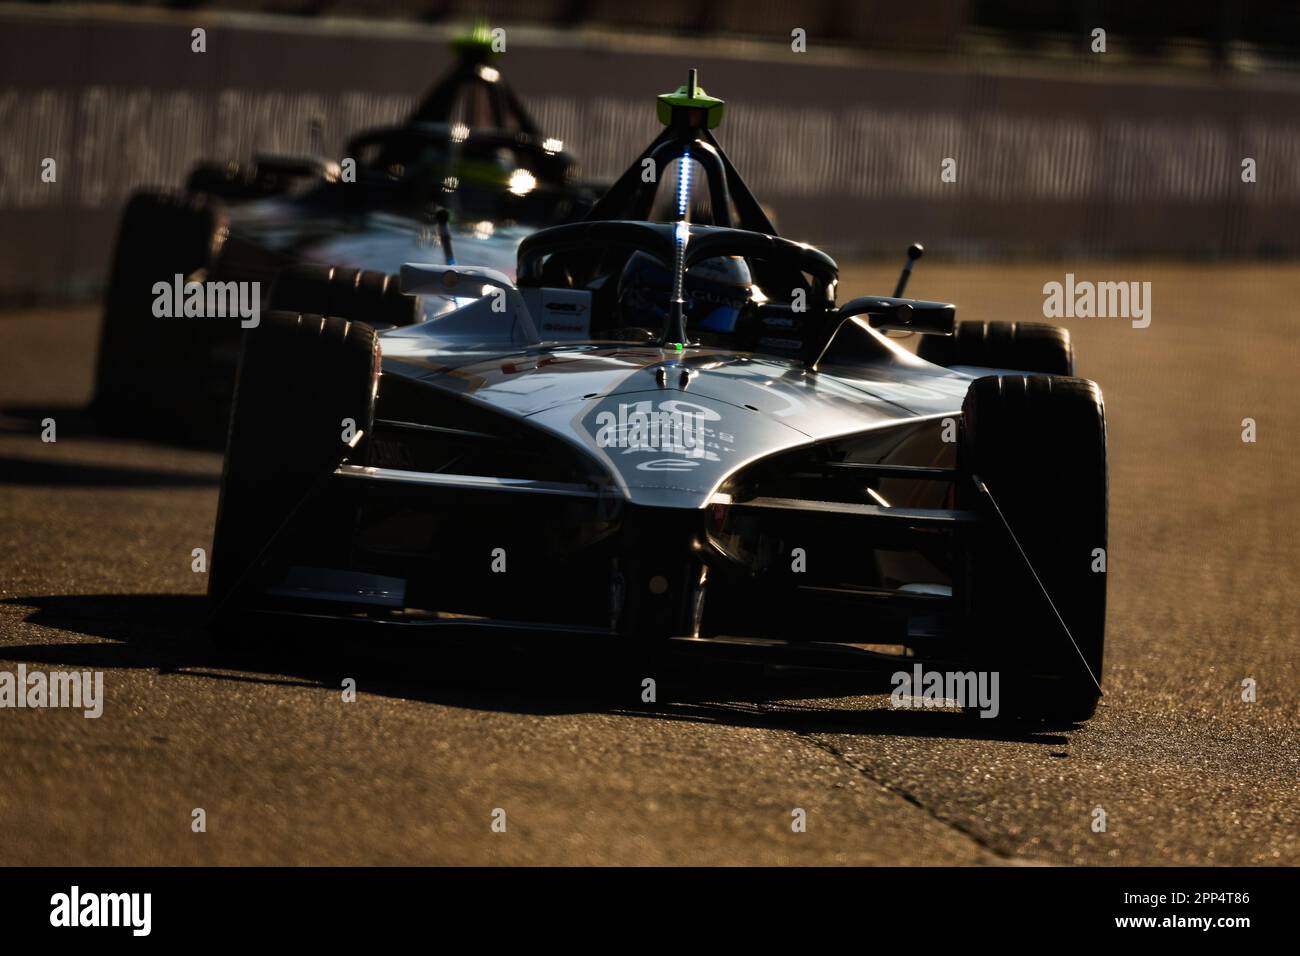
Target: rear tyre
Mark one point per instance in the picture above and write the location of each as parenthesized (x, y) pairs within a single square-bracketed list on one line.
[(151, 374), (359, 295), (299, 377), (1023, 346), (1038, 443)]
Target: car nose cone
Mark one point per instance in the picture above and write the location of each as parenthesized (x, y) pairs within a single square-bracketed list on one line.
[(666, 447)]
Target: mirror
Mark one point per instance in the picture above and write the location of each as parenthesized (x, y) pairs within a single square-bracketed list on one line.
[(902, 315)]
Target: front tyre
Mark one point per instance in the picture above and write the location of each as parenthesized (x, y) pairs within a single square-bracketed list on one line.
[(150, 372), (1038, 443), (300, 377)]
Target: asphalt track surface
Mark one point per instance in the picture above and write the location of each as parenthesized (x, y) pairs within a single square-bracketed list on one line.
[(95, 543)]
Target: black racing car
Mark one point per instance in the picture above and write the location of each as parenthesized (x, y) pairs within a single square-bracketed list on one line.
[(672, 431), (469, 171)]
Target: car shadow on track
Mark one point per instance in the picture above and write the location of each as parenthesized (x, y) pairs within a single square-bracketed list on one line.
[(510, 674), (74, 420), (70, 474), (79, 421)]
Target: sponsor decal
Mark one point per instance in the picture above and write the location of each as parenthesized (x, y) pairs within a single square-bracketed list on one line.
[(675, 427)]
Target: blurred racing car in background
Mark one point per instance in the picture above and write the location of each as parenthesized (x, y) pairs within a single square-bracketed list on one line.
[(470, 166)]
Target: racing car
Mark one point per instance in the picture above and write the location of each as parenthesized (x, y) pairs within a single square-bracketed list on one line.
[(470, 165), (671, 431)]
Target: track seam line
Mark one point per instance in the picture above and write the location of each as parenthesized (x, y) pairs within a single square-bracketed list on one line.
[(904, 795)]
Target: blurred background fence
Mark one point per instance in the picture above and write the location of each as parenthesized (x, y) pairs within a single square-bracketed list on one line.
[(1057, 150)]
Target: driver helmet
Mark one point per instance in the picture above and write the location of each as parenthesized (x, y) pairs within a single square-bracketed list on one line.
[(716, 292)]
